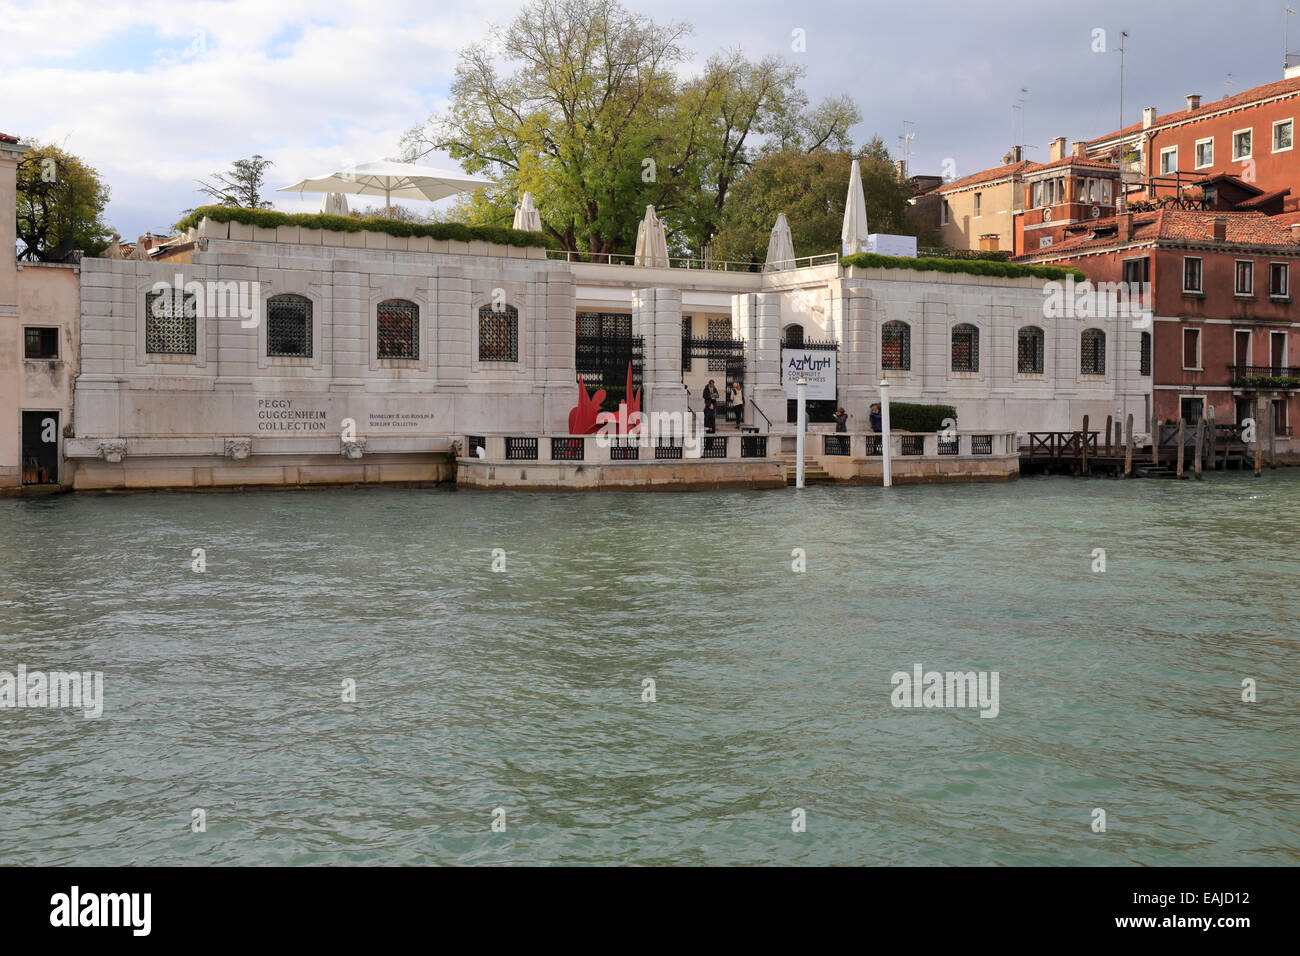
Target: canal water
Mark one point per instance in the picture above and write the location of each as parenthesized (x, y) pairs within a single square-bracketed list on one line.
[(524, 689)]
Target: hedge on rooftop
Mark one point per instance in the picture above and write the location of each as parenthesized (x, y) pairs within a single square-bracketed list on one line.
[(978, 267), (269, 219)]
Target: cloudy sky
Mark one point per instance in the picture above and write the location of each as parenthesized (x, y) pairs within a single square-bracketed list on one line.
[(155, 93)]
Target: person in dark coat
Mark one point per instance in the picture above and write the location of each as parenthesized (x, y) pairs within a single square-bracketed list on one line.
[(875, 416), (710, 407), (841, 420), (753, 262)]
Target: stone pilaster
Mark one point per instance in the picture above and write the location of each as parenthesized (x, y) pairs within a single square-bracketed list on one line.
[(756, 318), (657, 317)]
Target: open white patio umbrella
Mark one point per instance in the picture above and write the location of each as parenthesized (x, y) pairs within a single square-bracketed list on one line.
[(334, 204), (651, 241), (527, 217), (853, 237), (780, 246), (392, 181)]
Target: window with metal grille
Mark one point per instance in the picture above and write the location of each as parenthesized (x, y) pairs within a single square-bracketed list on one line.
[(1144, 355), (965, 348), (719, 329), (686, 351), (753, 446), (981, 444), (40, 343), (793, 337), (912, 444), (171, 323), (565, 448), (1092, 352), (397, 329), (288, 326), (498, 334), (896, 346), (1029, 350)]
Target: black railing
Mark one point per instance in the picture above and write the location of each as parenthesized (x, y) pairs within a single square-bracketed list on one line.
[(981, 444), (521, 449), (873, 444), (715, 446), (473, 443), (602, 361), (836, 445), (668, 448), (624, 449), (565, 448), (913, 444), (723, 354), (948, 446), (1274, 376), (753, 446), (817, 345)]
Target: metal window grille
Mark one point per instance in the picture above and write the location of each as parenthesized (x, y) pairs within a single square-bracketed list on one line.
[(715, 446), (288, 326), (521, 449), (913, 444), (1144, 358), (603, 349), (1029, 350), (624, 449), (896, 346), (498, 334), (41, 343), (835, 444), (171, 323), (873, 444), (686, 337), (397, 329), (668, 448), (793, 337), (981, 444), (753, 446), (566, 449), (473, 443), (719, 329), (1092, 352), (948, 446), (965, 348)]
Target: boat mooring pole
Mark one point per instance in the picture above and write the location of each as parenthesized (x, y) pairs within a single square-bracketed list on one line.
[(801, 424), (886, 479)]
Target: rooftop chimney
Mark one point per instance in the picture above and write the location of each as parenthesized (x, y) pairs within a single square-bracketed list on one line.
[(1220, 224), (1148, 116), (1057, 149), (1193, 101), (1124, 227), (1080, 150)]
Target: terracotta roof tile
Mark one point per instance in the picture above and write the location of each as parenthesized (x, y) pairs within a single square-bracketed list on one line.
[(1264, 92), (1075, 161), (6, 138), (1180, 225), (989, 175)]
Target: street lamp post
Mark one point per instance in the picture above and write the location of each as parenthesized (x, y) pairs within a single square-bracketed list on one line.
[(801, 420), (884, 430)]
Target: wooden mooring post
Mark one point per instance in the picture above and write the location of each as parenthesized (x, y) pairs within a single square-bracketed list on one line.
[(1083, 448), (1212, 442), (1155, 440), (1198, 451), (1108, 420), (1119, 435), (1181, 449), (1128, 449), (1272, 429)]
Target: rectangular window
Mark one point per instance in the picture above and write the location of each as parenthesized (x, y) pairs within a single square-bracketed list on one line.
[(1191, 409), (1245, 282), (1241, 144), (40, 343), (686, 350), (1144, 354), (1277, 352), (1279, 279), (1192, 349), (1105, 190), (977, 204), (1137, 271), (1169, 159), (1241, 348), (719, 329), (171, 323), (1204, 152), (1282, 136), (397, 330), (945, 213), (1036, 195), (1191, 274)]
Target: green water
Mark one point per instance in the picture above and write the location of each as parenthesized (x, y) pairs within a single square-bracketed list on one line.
[(523, 689)]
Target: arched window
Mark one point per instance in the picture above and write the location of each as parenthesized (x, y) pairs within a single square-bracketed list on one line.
[(1144, 356), (1092, 352), (397, 330), (288, 326), (171, 323), (965, 348), (1029, 350), (498, 334), (896, 346), (793, 338)]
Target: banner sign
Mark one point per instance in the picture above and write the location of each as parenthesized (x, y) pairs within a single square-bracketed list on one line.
[(816, 365)]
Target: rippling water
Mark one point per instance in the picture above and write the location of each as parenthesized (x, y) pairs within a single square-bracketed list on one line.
[(522, 690)]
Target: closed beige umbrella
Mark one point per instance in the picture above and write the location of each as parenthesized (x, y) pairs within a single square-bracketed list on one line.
[(651, 241)]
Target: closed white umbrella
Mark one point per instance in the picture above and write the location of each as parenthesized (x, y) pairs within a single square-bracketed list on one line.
[(392, 181), (651, 241), (853, 237), (334, 204), (527, 217), (780, 246)]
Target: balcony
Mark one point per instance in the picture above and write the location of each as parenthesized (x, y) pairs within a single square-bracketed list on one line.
[(1265, 377)]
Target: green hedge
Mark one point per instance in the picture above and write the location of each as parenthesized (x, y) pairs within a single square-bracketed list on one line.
[(460, 232), (915, 417), (1267, 381), (978, 267)]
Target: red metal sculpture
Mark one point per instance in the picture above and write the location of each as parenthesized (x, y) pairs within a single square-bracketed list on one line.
[(587, 418)]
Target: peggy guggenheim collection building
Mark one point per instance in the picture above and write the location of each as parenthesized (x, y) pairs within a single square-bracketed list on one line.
[(239, 356)]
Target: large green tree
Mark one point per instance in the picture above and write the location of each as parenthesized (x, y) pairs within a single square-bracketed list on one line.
[(61, 202), (811, 189), (581, 103), (241, 185)]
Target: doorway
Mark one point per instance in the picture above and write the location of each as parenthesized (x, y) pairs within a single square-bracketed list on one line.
[(40, 448)]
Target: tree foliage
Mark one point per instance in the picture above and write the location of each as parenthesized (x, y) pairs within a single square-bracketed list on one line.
[(811, 189), (241, 185), (61, 202), (581, 103)]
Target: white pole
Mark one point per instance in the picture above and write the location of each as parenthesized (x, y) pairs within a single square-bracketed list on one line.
[(801, 422), (884, 430)]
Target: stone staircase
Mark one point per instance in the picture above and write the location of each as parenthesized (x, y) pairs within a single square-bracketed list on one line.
[(813, 472)]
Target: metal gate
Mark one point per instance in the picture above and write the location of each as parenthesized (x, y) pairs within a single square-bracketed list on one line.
[(604, 349)]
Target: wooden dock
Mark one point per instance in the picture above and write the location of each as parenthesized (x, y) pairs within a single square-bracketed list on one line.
[(1181, 450)]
